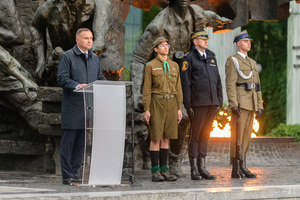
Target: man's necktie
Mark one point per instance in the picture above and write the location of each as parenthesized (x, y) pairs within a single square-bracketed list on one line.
[(86, 56)]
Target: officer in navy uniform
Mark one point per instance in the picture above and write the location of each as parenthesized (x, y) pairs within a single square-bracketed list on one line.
[(202, 97)]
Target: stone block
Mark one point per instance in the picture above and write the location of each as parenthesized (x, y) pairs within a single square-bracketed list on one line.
[(51, 107), (21, 147), (52, 118), (53, 130), (51, 94)]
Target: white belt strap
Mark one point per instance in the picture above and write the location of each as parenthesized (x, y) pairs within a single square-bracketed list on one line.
[(237, 67)]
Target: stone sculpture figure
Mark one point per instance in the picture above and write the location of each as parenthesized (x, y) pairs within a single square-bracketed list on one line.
[(11, 71), (176, 23), (61, 18), (109, 34), (11, 34)]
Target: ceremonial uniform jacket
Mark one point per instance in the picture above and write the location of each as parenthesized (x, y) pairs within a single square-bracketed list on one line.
[(74, 69), (249, 100), (200, 78), (156, 82)]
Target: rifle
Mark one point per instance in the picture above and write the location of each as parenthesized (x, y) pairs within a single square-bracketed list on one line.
[(238, 150)]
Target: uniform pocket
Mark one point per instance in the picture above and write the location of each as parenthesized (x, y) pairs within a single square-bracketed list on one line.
[(157, 79), (174, 77)]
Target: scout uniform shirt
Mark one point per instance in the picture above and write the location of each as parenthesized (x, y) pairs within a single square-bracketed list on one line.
[(249, 100), (164, 111), (156, 82)]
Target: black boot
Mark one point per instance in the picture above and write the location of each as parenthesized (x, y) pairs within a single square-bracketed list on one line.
[(202, 170), (236, 169), (194, 170), (245, 170)]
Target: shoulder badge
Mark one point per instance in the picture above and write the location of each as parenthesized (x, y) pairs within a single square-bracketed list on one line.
[(212, 61), (228, 63), (185, 65)]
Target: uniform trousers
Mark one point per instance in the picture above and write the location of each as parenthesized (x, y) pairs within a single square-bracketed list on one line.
[(71, 152), (201, 128), (246, 127)]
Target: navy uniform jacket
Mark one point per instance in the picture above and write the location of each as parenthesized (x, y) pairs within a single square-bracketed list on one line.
[(200, 79), (72, 71)]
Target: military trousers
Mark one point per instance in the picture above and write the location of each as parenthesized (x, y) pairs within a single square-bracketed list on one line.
[(201, 128), (246, 128)]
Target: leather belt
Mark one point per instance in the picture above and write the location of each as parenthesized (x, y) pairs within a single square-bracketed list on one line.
[(249, 86), (164, 96)]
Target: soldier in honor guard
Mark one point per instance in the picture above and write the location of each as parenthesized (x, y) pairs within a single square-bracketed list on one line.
[(243, 88), (162, 101), (202, 98)]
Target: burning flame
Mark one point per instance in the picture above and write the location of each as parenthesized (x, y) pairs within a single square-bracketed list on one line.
[(100, 52), (220, 130), (113, 75)]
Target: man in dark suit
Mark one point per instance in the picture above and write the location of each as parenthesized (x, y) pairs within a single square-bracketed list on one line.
[(77, 67)]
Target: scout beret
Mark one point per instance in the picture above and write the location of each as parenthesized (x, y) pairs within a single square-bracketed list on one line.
[(202, 33), (242, 36), (158, 41)]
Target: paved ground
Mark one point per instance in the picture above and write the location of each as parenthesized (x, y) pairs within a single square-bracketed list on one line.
[(278, 178)]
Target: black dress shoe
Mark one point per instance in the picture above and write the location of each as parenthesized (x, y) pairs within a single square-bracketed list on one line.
[(69, 181), (78, 180)]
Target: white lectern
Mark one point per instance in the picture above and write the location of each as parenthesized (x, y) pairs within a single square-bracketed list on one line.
[(105, 115)]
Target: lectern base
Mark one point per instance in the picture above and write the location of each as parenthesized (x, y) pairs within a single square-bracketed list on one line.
[(132, 182), (102, 186)]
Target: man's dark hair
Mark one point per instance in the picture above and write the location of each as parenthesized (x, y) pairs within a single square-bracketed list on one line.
[(81, 30)]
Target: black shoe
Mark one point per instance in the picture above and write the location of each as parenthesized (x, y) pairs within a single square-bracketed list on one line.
[(69, 181), (78, 180), (168, 177), (157, 177), (247, 172)]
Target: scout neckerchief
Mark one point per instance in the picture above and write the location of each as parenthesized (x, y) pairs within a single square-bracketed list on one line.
[(166, 65)]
